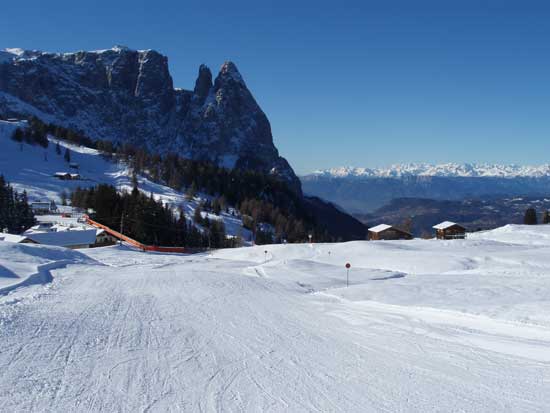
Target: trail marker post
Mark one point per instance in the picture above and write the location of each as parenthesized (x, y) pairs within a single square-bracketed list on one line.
[(348, 266), (121, 227)]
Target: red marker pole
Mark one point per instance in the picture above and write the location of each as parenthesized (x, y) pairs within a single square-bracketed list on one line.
[(348, 266)]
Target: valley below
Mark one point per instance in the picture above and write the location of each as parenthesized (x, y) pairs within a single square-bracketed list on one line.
[(418, 196), (421, 214)]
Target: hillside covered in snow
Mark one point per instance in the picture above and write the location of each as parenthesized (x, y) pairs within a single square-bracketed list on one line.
[(32, 168), (424, 326)]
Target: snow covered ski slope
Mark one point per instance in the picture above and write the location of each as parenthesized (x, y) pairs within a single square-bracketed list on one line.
[(424, 326)]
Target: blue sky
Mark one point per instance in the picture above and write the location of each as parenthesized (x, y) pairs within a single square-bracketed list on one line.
[(358, 83)]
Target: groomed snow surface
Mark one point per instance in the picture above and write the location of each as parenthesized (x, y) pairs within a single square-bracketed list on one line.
[(460, 325)]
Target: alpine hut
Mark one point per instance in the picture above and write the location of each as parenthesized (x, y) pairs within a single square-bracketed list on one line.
[(387, 232), (449, 230)]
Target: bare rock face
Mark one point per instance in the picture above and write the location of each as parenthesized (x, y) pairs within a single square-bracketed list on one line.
[(127, 96)]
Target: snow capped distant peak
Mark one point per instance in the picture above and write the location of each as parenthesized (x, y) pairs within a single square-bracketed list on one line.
[(12, 53), (119, 49), (441, 170), (18, 53)]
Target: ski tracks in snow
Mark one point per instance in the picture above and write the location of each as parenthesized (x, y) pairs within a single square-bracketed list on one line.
[(168, 333)]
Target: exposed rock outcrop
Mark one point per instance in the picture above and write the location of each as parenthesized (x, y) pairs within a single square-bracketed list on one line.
[(128, 96)]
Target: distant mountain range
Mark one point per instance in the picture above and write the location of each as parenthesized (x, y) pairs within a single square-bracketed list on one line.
[(363, 190), (464, 170)]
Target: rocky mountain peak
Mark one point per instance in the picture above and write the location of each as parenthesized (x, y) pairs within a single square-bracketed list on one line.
[(203, 83), (230, 73), (127, 96)]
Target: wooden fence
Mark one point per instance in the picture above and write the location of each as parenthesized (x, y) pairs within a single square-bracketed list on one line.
[(133, 242)]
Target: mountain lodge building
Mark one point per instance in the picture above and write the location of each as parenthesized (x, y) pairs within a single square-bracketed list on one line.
[(387, 232)]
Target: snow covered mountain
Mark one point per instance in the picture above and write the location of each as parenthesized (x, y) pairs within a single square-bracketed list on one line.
[(127, 96), (361, 190), (447, 169)]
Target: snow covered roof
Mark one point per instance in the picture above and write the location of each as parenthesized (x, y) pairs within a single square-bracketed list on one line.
[(72, 221), (445, 225), (380, 228), (40, 204), (12, 238), (65, 238), (41, 227)]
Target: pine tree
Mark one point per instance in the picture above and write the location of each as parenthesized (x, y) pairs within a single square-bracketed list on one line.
[(27, 216), (15, 213), (181, 229), (134, 180), (197, 215), (67, 155), (191, 192), (530, 217), (18, 135), (58, 148), (4, 216), (546, 217), (64, 197), (217, 234), (263, 237), (216, 206)]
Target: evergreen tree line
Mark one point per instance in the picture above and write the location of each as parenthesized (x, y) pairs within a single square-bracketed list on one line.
[(41, 130), (16, 215), (30, 136), (258, 196), (146, 220), (285, 227), (263, 197), (37, 134)]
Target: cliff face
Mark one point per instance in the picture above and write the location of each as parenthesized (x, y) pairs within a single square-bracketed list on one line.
[(127, 96)]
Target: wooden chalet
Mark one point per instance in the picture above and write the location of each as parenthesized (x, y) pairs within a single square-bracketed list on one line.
[(387, 232), (449, 230)]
